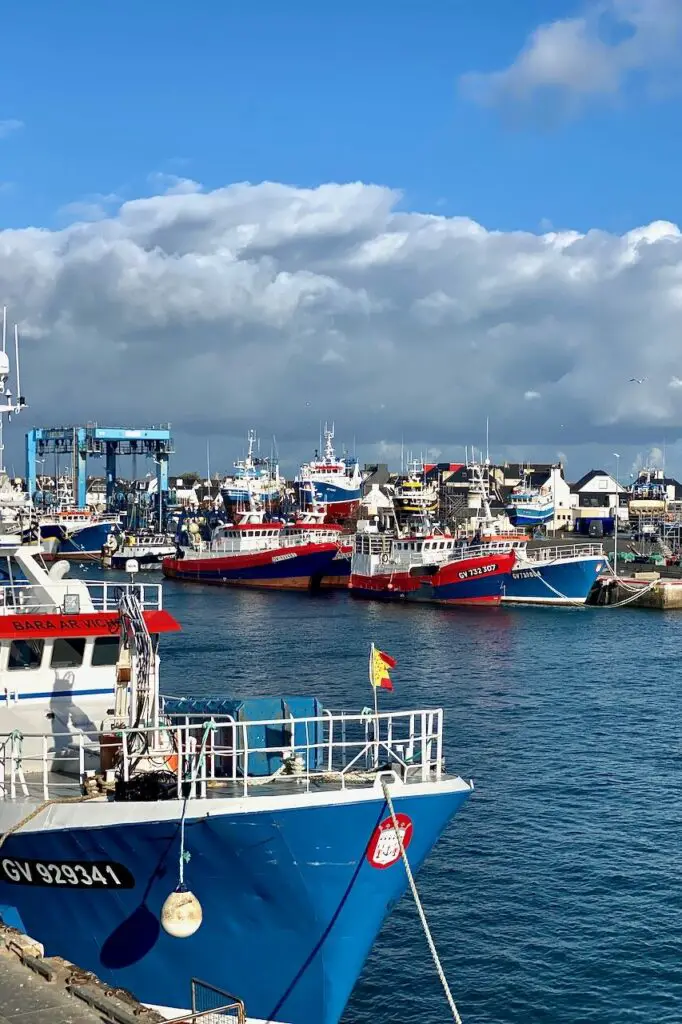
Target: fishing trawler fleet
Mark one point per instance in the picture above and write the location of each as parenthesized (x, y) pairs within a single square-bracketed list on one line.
[(153, 840)]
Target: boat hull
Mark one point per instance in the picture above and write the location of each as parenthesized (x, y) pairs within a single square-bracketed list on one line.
[(340, 502), (472, 581), (86, 541), (529, 516), (291, 900), (282, 569), (148, 560), (241, 496), (564, 582)]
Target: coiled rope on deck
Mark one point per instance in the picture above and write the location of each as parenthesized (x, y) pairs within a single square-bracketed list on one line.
[(420, 910)]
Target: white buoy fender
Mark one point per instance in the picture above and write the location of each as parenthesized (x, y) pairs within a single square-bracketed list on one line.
[(181, 914)]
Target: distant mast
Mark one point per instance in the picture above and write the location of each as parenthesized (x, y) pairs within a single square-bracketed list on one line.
[(7, 405)]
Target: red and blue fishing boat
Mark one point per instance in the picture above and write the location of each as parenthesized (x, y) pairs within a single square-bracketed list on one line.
[(254, 553), (330, 482), (425, 564)]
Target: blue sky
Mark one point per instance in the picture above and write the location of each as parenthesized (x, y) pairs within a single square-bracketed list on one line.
[(124, 128), (305, 92)]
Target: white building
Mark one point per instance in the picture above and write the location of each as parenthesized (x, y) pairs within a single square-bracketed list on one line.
[(597, 496)]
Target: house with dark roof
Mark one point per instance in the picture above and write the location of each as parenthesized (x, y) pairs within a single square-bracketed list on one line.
[(597, 496)]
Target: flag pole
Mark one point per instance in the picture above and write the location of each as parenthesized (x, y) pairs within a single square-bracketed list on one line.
[(376, 706)]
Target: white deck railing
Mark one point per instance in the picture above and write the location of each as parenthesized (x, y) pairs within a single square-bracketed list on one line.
[(105, 597), (555, 552), (246, 545), (197, 756), (549, 553)]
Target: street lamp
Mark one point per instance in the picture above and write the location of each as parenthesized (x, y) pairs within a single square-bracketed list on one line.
[(615, 523)]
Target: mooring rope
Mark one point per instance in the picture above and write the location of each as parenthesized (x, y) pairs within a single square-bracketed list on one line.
[(420, 910), (81, 799)]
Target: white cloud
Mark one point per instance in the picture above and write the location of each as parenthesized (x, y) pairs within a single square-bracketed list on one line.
[(675, 382), (222, 310), (9, 126), (530, 396), (93, 207), (171, 184), (592, 54)]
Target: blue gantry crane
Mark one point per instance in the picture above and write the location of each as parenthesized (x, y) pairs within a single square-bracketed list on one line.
[(94, 441)]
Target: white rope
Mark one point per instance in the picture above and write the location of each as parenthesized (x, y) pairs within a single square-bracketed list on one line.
[(622, 582), (633, 597), (420, 910), (184, 856)]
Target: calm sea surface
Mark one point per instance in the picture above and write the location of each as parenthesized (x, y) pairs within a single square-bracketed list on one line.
[(556, 894)]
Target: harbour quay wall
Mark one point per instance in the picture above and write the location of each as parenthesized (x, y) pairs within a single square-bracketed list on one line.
[(640, 590)]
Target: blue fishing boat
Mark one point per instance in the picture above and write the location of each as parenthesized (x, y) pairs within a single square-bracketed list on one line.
[(530, 507), (561, 574), (254, 479), (255, 844), (329, 482), (72, 533)]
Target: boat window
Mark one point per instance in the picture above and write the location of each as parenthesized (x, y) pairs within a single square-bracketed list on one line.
[(105, 651), (411, 545), (25, 654), (68, 652), (442, 545)]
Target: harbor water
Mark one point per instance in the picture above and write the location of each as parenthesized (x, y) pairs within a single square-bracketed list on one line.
[(554, 895)]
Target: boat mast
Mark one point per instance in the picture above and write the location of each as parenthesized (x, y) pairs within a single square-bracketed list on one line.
[(4, 352), (7, 405)]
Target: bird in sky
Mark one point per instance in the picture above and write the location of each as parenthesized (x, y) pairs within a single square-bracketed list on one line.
[(638, 380)]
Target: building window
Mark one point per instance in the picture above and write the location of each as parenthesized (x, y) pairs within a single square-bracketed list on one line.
[(25, 654), (67, 652), (105, 651)]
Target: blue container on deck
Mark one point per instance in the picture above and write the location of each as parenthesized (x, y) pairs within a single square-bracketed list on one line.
[(274, 710)]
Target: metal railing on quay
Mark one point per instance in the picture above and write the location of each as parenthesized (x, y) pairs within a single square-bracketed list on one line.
[(228, 1013)]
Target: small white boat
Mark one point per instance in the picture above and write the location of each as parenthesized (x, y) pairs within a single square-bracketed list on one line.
[(146, 548)]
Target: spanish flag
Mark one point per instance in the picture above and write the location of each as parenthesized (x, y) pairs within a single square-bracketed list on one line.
[(379, 664)]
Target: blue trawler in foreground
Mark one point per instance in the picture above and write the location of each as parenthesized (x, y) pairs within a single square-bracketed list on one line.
[(255, 844)]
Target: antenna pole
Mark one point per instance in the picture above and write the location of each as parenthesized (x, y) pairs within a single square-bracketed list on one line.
[(487, 438), (16, 356), (4, 328)]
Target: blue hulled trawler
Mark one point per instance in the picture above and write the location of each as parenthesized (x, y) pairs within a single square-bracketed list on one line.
[(256, 844)]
